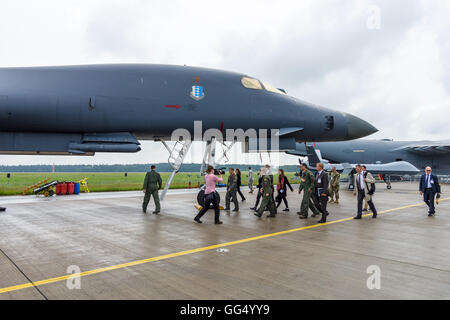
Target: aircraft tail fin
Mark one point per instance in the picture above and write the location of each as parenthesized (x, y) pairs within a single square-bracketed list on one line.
[(314, 155)]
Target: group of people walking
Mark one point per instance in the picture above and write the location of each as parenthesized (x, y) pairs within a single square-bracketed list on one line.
[(318, 190)]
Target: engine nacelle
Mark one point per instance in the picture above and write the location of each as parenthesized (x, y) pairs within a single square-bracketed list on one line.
[(66, 143)]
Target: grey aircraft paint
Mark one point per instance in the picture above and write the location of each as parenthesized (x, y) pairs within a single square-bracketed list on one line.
[(107, 108), (418, 153)]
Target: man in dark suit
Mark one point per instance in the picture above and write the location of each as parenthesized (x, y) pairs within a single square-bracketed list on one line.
[(321, 192), (364, 179), (429, 187)]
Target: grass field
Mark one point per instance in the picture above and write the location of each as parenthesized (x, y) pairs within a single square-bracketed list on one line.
[(104, 181)]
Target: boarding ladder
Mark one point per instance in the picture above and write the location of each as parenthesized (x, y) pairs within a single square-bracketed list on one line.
[(176, 157)]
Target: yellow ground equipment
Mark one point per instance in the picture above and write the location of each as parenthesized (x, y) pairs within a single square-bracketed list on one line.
[(83, 183), (47, 189), (34, 186)]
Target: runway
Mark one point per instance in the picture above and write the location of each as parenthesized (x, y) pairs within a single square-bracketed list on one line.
[(125, 254)]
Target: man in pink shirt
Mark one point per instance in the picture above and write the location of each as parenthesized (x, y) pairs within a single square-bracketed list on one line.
[(211, 199)]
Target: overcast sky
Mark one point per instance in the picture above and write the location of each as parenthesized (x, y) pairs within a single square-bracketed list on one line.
[(385, 61)]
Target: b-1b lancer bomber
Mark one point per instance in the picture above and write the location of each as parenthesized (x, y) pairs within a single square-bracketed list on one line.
[(80, 110)]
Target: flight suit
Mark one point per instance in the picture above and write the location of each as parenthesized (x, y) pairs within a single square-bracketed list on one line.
[(334, 186), (232, 192), (307, 185), (152, 184), (267, 197), (258, 194), (321, 194), (250, 180)]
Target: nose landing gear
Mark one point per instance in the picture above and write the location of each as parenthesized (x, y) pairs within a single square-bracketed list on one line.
[(387, 180)]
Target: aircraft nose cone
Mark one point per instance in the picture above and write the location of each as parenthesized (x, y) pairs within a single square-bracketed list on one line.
[(358, 128)]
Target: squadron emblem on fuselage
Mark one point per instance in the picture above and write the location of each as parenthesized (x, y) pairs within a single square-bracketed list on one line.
[(197, 92)]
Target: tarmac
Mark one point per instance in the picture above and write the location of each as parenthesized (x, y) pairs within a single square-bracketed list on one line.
[(114, 251)]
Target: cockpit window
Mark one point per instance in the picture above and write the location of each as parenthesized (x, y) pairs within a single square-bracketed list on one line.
[(251, 83), (272, 89)]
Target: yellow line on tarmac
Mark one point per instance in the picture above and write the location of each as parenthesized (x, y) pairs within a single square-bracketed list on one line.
[(183, 253)]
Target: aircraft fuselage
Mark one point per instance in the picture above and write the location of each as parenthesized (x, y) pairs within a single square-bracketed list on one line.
[(151, 101), (383, 151)]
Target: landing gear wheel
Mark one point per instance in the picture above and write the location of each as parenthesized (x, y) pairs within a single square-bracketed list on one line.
[(201, 198)]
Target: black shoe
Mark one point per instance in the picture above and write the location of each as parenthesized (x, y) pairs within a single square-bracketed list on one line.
[(144, 211), (374, 216), (235, 210), (286, 210), (258, 215), (431, 214), (197, 220), (303, 217), (243, 199), (357, 218), (219, 222), (254, 208), (299, 213), (365, 210), (271, 216), (227, 209), (322, 221), (155, 212), (314, 215)]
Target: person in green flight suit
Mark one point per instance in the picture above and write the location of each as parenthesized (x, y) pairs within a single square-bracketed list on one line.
[(334, 185), (307, 185), (232, 186), (152, 184), (267, 194)]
